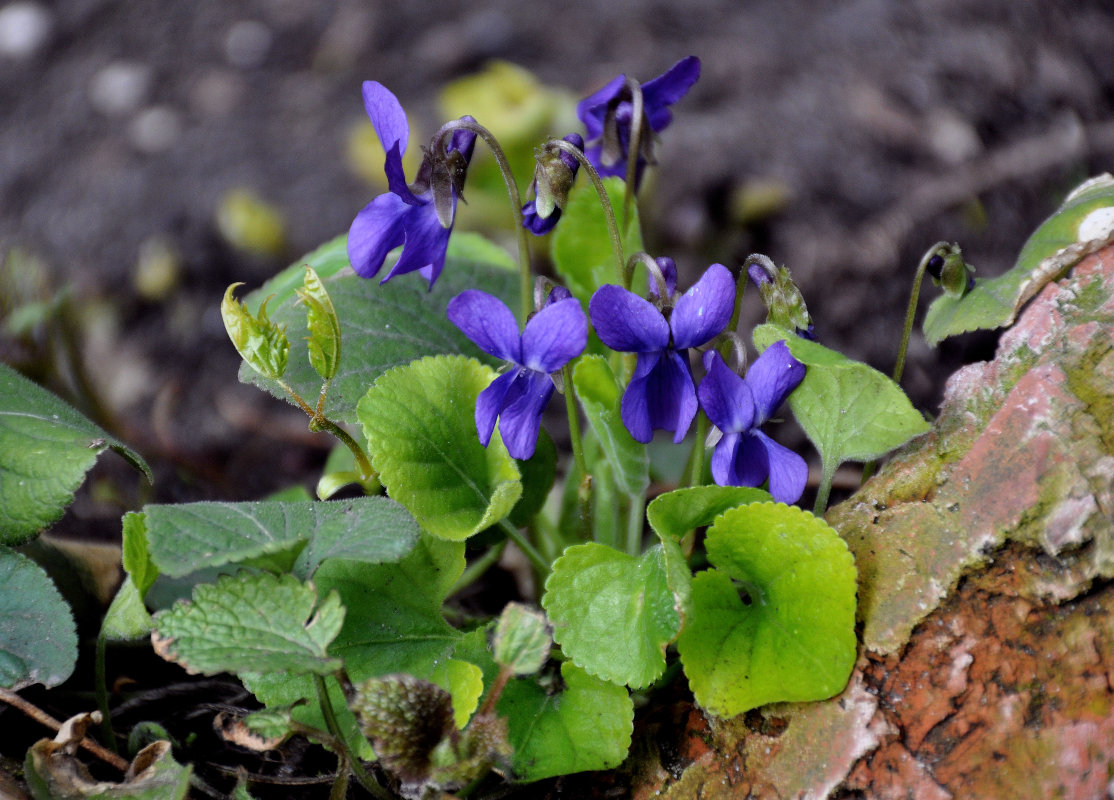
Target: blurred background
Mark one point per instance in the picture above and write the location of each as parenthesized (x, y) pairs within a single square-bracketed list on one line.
[(153, 153)]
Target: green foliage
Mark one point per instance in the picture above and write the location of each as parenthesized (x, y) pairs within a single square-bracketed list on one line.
[(614, 614), (420, 425), (383, 326), (300, 536), (522, 640), (581, 248), (38, 641), (675, 513), (1082, 224), (46, 447), (792, 637), (848, 410), (261, 343), (323, 342), (257, 623), (600, 396), (586, 726)]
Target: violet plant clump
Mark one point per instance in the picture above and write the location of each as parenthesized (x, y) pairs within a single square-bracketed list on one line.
[(332, 612)]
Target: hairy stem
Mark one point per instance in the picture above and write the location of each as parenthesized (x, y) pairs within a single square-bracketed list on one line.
[(634, 145), (605, 201), (525, 276), (528, 549), (346, 760)]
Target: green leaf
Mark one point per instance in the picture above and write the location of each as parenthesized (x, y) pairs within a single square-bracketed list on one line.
[(521, 641), (323, 343), (250, 623), (600, 396), (581, 248), (465, 682), (585, 727), (675, 513), (393, 624), (848, 410), (46, 447), (795, 639), (54, 774), (136, 554), (127, 618), (190, 536), (613, 614), (261, 343), (38, 640), (420, 424), (1083, 224), (538, 474), (383, 326)]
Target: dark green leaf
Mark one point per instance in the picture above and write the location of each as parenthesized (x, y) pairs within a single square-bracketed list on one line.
[(249, 623), (38, 641), (1083, 224), (382, 325), (46, 447)]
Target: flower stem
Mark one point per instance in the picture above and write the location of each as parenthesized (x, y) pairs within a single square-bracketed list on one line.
[(525, 276), (827, 473), (528, 549), (907, 330), (319, 422), (911, 311), (574, 419), (605, 201), (347, 759), (636, 143), (695, 472), (655, 274), (636, 522), (477, 568)]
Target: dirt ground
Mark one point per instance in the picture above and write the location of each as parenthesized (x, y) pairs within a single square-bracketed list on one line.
[(876, 128)]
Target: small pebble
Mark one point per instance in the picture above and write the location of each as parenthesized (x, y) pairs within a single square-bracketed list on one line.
[(155, 129), (24, 29), (246, 44), (119, 88)]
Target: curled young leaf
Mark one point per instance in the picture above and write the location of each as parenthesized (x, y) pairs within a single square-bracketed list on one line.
[(260, 342), (323, 341)]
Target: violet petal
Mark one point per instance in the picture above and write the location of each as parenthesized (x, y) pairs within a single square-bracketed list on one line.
[(554, 336), (704, 310), (626, 322), (487, 321)]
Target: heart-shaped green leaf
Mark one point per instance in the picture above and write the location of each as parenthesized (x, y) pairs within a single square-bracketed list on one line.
[(46, 447), (600, 396), (792, 638), (38, 641), (675, 513), (1083, 224), (381, 326), (252, 623), (420, 424), (848, 410), (585, 727), (614, 614)]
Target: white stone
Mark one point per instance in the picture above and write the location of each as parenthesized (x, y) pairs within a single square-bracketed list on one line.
[(119, 88), (246, 44), (24, 29)]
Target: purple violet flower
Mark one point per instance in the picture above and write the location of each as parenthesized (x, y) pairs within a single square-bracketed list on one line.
[(607, 115), (661, 394), (532, 218), (738, 407), (553, 336), (406, 215)]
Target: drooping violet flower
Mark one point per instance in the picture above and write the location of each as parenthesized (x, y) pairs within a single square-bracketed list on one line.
[(553, 337), (745, 456), (553, 178), (607, 116), (785, 305), (407, 215), (661, 394)]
